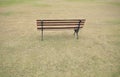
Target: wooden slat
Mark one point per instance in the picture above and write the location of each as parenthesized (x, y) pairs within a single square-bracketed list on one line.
[(54, 26), (82, 21), (57, 27), (59, 24), (63, 20), (50, 24)]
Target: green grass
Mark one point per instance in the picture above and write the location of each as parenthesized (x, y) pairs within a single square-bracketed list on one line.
[(115, 3), (12, 2), (95, 54), (6, 13), (41, 5), (81, 0), (116, 22)]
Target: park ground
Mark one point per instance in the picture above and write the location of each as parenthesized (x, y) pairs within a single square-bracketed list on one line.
[(95, 54)]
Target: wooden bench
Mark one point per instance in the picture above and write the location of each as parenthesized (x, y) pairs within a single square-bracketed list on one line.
[(75, 24)]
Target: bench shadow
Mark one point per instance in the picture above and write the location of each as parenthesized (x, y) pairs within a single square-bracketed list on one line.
[(58, 37)]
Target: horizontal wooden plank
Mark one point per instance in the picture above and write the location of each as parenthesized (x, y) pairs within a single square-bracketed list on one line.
[(63, 20), (57, 27), (59, 24)]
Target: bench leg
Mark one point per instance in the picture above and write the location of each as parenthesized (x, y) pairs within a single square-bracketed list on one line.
[(76, 32), (42, 35)]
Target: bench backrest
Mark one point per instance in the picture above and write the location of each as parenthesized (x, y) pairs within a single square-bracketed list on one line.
[(60, 24)]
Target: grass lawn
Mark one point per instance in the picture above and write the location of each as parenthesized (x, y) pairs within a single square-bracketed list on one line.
[(95, 54)]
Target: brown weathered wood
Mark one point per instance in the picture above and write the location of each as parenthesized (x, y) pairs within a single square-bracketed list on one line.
[(57, 27), (62, 20), (60, 24)]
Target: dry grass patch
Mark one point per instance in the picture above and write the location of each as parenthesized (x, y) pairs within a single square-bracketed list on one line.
[(95, 54)]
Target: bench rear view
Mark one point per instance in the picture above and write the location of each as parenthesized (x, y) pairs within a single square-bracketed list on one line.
[(75, 24)]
